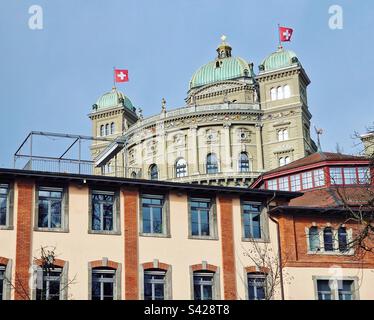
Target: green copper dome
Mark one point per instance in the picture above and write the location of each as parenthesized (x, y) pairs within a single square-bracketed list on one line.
[(219, 70), (280, 59), (225, 67), (113, 99)]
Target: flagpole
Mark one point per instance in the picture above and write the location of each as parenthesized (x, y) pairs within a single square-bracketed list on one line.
[(114, 77), (279, 37)]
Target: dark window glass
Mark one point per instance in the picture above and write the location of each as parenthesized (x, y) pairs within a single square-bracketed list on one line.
[(103, 282), (181, 168), (345, 289), (200, 211), (343, 239), (49, 208), (2, 275), (4, 196), (256, 286), (102, 211), (154, 285), (211, 163), (152, 207), (153, 172), (203, 285), (328, 239), (324, 290), (314, 244), (243, 162), (50, 286), (252, 220)]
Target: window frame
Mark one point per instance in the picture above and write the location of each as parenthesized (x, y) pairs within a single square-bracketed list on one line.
[(153, 175), (181, 170), (64, 189), (256, 275), (209, 165), (9, 211), (116, 211), (245, 161), (114, 281), (165, 216), (264, 223), (213, 232), (334, 286), (215, 283)]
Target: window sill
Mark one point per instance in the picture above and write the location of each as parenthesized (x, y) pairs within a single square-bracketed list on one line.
[(330, 253), (154, 235), (263, 240), (57, 230), (202, 237), (105, 232), (6, 228)]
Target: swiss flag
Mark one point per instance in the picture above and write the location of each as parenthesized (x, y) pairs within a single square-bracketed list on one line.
[(121, 75), (285, 34)]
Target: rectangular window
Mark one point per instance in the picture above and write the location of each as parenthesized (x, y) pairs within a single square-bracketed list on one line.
[(350, 176), (200, 216), (319, 178), (295, 183), (256, 286), (203, 285), (103, 284), (363, 175), (336, 289), (49, 286), (152, 214), (154, 285), (345, 289), (336, 176), (2, 276), (4, 207), (103, 208), (272, 184), (324, 290), (307, 180), (252, 220), (283, 184), (50, 204)]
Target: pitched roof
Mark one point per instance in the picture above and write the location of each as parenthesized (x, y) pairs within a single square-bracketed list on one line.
[(315, 158)]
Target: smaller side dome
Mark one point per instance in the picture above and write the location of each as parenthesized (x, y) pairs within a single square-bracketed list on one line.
[(112, 99), (279, 59)]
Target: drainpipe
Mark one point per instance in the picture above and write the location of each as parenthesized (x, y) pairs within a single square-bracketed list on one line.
[(279, 247)]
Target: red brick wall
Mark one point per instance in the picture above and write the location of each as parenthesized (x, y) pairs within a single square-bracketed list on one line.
[(23, 244), (228, 253), (295, 246), (131, 199)]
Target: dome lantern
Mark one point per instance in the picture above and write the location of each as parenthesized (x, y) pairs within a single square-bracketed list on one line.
[(224, 49)]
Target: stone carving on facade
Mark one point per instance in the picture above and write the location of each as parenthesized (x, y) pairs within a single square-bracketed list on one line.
[(244, 135), (151, 147), (212, 136), (179, 140)]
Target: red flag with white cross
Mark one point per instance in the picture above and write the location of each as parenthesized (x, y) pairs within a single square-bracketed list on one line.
[(121, 75), (285, 34)]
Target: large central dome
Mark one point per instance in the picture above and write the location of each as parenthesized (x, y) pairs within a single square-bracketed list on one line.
[(224, 67)]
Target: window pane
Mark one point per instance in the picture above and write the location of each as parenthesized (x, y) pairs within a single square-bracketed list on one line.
[(283, 184), (256, 287), (363, 175), (56, 214), (295, 183), (314, 243), (319, 177), (108, 290), (159, 291), (307, 180), (43, 214), (328, 239), (146, 220), (324, 290), (342, 238), (350, 176), (108, 216), (207, 292), (96, 216), (345, 289), (157, 219), (197, 292), (336, 176), (272, 184)]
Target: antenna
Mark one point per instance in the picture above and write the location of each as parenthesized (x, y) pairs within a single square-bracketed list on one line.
[(319, 132)]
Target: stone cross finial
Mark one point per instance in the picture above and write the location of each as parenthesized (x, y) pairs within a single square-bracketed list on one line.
[(140, 112), (163, 105)]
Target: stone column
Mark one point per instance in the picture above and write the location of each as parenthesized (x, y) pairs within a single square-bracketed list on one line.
[(260, 157), (165, 156), (227, 157), (193, 152)]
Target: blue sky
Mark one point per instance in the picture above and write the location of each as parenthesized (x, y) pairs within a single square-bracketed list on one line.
[(50, 78)]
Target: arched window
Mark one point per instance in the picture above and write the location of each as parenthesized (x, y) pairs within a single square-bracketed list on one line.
[(282, 162), (153, 172), (280, 135), (287, 91), (181, 168), (280, 93), (287, 160), (107, 129), (314, 244), (103, 284), (343, 239), (133, 174), (112, 128), (328, 239), (285, 134), (243, 162), (273, 94), (211, 163), (102, 132)]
